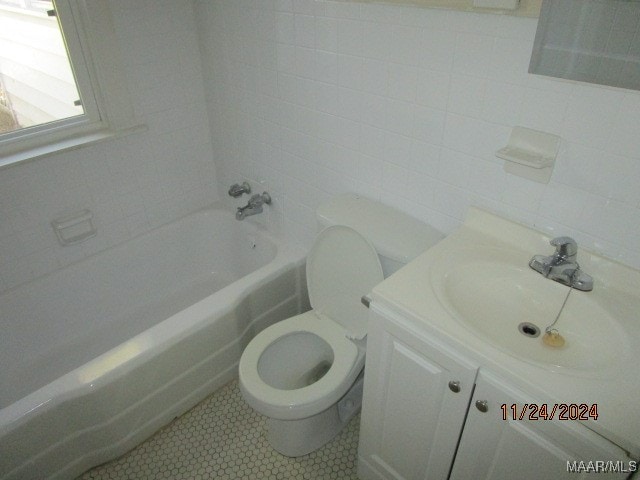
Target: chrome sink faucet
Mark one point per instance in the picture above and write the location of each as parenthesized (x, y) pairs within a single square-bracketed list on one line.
[(254, 206), (562, 266)]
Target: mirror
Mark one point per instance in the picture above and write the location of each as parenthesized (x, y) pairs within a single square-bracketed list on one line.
[(595, 41)]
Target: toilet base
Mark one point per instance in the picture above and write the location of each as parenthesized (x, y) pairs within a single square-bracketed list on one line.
[(294, 438)]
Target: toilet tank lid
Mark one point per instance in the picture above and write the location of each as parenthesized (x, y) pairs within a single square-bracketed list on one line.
[(394, 234)]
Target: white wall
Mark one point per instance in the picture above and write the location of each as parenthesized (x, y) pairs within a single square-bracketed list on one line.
[(312, 98), (131, 184)]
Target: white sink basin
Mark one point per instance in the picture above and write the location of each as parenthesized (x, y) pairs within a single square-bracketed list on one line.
[(493, 291)]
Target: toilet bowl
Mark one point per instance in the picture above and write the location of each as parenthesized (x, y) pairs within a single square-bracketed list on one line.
[(305, 372)]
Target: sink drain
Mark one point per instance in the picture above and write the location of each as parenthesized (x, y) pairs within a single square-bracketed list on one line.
[(529, 329)]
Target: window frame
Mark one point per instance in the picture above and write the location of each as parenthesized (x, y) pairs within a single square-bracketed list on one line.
[(98, 70)]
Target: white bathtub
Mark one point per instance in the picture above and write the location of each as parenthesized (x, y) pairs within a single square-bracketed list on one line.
[(97, 356)]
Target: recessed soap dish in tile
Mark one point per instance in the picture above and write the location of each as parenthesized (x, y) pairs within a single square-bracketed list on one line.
[(530, 154), (75, 228)]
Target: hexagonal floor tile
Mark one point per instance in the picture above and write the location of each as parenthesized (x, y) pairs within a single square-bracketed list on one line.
[(223, 438)]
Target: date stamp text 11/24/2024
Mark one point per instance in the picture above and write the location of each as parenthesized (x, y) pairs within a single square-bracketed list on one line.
[(543, 411)]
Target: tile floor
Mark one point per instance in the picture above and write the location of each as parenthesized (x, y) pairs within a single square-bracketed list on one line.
[(223, 438)]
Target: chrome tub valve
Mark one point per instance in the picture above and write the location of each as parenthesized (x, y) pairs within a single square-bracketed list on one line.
[(236, 190)]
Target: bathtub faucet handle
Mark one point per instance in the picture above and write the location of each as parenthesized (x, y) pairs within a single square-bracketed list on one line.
[(236, 190)]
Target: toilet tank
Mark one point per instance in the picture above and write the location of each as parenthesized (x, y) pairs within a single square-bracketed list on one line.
[(397, 237)]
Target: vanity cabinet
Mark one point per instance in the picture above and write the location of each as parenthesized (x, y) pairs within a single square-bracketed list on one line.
[(416, 396), (429, 413)]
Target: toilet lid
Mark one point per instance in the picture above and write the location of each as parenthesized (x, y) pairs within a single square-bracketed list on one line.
[(342, 267)]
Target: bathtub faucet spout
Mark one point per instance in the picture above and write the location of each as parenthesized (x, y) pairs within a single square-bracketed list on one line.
[(254, 206)]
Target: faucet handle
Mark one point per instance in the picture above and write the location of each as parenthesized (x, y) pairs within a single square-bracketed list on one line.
[(236, 190), (565, 246)]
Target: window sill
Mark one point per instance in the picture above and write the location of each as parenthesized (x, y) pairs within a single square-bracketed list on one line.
[(68, 144)]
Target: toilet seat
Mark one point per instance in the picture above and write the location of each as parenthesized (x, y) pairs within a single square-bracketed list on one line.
[(341, 267), (302, 402)]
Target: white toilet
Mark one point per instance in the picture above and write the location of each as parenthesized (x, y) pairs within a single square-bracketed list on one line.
[(305, 372)]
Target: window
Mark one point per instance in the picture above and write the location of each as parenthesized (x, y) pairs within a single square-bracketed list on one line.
[(59, 60), (37, 82)]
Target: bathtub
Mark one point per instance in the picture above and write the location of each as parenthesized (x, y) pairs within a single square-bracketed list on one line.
[(99, 355)]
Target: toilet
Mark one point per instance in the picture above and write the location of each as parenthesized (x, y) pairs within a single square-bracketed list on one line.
[(305, 373)]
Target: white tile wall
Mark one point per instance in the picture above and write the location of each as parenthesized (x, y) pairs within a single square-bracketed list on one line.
[(406, 104), (308, 99), (131, 184)]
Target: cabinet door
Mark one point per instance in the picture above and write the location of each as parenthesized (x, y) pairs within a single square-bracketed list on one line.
[(492, 448), (412, 416)]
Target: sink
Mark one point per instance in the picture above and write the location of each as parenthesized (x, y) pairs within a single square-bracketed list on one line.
[(469, 293), (493, 291)]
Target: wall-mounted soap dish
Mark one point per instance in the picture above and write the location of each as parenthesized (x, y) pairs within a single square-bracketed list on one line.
[(75, 228), (530, 154)]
